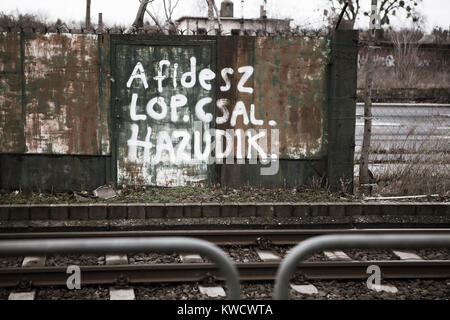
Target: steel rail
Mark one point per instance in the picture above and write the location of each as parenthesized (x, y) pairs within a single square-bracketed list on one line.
[(222, 237), (196, 272), (363, 241)]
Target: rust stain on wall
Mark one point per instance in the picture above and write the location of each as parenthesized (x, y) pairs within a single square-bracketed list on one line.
[(234, 52), (11, 124), (104, 94), (289, 82), (290, 89), (61, 80)]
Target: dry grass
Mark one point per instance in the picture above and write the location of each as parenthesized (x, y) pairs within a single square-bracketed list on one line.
[(423, 169), (407, 57), (414, 178)]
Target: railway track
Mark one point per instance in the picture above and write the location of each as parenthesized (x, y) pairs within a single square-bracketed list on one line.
[(197, 272), (224, 237)]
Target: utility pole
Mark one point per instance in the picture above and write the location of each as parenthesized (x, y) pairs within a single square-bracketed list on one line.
[(264, 16), (88, 14), (242, 18), (364, 178)]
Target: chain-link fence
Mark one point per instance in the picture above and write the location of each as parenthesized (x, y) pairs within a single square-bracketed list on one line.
[(410, 147)]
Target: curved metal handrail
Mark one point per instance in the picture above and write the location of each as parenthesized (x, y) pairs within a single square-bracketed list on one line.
[(126, 245), (364, 241)]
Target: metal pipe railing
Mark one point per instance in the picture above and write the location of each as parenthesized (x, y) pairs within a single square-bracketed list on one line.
[(380, 241), (127, 245)]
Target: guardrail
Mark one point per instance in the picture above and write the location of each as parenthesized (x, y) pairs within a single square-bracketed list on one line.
[(329, 242), (225, 265), (127, 245)]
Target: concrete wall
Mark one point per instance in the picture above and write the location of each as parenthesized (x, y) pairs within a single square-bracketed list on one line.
[(430, 56)]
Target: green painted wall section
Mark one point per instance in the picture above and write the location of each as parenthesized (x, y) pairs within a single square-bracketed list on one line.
[(142, 166)]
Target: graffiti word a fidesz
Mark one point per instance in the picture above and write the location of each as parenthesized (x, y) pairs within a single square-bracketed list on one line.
[(212, 140)]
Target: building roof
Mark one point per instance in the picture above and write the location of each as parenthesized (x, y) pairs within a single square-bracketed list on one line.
[(231, 18)]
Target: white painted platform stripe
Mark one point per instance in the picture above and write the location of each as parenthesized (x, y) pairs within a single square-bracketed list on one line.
[(386, 124), (399, 104)]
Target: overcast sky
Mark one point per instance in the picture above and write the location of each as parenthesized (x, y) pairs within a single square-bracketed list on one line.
[(303, 12)]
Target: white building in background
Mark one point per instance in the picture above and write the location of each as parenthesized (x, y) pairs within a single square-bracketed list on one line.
[(232, 25)]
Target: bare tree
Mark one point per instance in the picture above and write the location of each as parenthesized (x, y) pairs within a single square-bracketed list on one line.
[(138, 23), (169, 8), (212, 8), (387, 10), (210, 16), (33, 21), (168, 26)]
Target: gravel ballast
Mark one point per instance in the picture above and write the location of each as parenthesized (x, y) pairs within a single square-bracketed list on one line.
[(154, 258), (327, 290), (10, 262), (73, 259)]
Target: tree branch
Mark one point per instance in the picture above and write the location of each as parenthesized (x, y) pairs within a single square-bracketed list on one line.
[(155, 20), (219, 21), (165, 10)]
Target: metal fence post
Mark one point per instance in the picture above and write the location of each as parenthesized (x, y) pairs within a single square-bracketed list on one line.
[(127, 245), (364, 241)]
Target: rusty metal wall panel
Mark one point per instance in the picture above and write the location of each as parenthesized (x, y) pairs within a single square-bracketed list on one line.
[(57, 91), (290, 174), (105, 81), (61, 92), (136, 156), (11, 115), (290, 78), (290, 88), (234, 53)]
